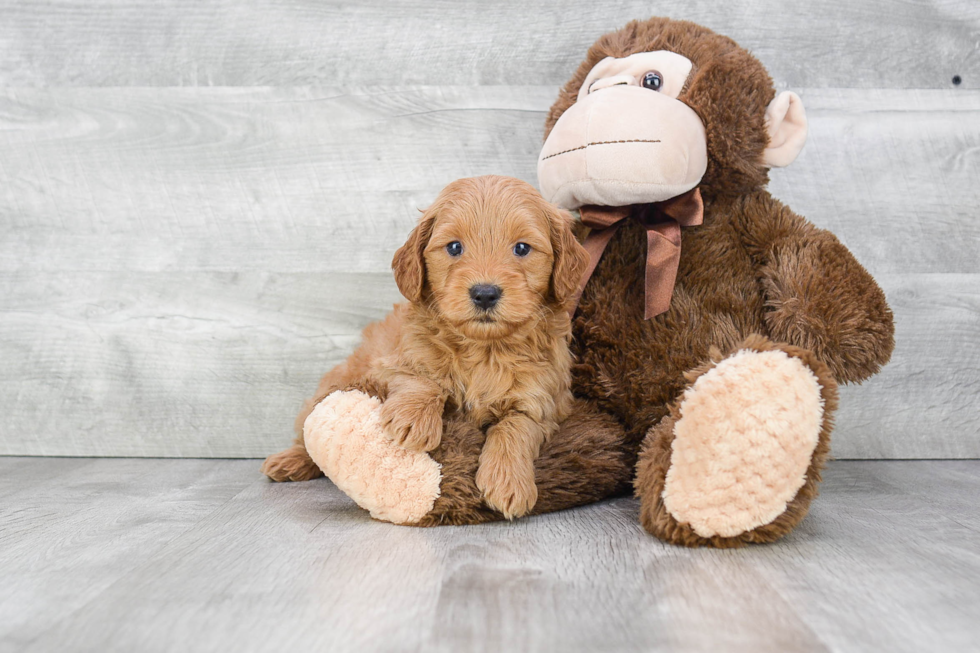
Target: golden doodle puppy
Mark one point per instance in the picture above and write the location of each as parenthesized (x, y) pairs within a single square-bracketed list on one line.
[(488, 271)]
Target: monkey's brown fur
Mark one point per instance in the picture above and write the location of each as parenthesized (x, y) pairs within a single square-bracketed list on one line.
[(753, 276)]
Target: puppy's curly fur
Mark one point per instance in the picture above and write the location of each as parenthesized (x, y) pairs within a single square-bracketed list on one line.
[(506, 368)]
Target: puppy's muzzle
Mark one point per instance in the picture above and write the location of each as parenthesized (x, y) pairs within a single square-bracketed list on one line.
[(485, 296)]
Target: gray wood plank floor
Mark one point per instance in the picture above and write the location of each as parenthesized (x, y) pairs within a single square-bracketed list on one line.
[(205, 555)]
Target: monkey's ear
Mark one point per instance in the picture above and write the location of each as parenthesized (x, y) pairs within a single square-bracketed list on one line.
[(571, 259), (409, 261), (786, 124)]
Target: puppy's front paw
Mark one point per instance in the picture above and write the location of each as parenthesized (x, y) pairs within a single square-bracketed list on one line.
[(412, 421), (507, 485)]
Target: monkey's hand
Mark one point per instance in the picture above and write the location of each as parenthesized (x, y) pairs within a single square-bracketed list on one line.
[(820, 298)]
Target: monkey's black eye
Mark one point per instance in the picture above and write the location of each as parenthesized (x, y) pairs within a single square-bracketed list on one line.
[(522, 249), (454, 248), (653, 80)]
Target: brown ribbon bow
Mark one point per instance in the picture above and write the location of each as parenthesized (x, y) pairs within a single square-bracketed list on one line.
[(663, 222)]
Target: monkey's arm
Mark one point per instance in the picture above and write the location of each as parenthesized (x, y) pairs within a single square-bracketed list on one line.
[(817, 294)]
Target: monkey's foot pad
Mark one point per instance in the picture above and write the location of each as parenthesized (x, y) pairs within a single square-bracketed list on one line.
[(344, 437), (747, 432)]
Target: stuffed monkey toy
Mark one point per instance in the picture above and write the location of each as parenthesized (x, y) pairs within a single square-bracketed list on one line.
[(711, 331)]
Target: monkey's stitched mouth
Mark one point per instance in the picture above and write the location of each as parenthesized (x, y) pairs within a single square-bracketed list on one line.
[(582, 147)]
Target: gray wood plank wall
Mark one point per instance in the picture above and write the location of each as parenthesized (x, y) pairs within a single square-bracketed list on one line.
[(199, 200)]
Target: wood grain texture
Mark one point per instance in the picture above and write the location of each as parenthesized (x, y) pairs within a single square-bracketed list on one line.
[(70, 529), (297, 180), (178, 266), (833, 43), (888, 559), (926, 400)]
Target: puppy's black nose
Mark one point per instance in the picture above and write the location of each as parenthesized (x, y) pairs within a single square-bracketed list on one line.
[(485, 296)]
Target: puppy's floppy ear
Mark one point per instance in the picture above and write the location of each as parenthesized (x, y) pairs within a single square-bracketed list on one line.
[(409, 261), (571, 259)]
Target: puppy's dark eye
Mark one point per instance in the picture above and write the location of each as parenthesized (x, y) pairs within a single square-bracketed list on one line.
[(454, 248), (653, 80), (522, 249)]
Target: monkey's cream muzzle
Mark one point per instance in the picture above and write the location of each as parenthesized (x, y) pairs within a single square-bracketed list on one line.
[(621, 145)]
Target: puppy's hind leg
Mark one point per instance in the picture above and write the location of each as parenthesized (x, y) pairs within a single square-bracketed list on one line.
[(293, 464), (379, 339)]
